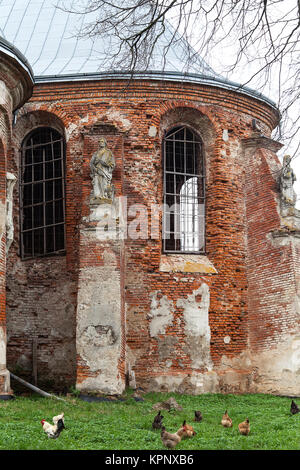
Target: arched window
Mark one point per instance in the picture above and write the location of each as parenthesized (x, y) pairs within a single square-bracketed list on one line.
[(184, 192), (42, 193)]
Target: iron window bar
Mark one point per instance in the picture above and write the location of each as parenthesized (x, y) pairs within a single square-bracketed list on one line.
[(42, 194), (184, 192)]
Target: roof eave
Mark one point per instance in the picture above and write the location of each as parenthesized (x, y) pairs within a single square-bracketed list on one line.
[(165, 75)]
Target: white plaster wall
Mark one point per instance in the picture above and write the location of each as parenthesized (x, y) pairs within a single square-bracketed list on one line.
[(98, 336), (278, 368), (2, 330), (5, 96), (2, 348), (161, 314), (197, 328)]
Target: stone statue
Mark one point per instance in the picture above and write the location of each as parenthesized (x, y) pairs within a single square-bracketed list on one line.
[(287, 179), (102, 165)]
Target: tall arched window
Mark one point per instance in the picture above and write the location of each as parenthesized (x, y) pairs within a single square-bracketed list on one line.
[(184, 192), (42, 193)]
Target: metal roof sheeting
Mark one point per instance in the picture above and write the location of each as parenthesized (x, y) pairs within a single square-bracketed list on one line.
[(48, 37)]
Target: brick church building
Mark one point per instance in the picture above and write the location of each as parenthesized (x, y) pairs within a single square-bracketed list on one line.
[(149, 235)]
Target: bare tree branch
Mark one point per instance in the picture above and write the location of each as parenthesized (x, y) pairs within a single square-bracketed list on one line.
[(261, 36)]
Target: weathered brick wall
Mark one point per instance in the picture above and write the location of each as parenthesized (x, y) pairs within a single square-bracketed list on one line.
[(42, 292), (5, 128), (41, 295), (273, 281), (184, 352), (15, 89)]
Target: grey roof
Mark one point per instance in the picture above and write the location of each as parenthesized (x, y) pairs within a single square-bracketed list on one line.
[(48, 37), (13, 52)]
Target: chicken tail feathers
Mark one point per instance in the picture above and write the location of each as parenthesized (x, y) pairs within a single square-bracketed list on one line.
[(60, 425)]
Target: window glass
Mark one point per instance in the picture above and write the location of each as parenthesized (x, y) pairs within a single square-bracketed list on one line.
[(42, 194), (184, 192)]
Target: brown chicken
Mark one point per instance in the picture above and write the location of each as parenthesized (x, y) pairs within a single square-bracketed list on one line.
[(294, 408), (226, 421), (170, 440), (198, 416), (188, 431), (244, 427), (157, 422)]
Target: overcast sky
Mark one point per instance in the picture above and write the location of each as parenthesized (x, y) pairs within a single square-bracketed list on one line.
[(221, 57)]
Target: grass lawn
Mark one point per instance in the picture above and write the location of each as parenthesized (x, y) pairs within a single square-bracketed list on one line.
[(122, 425)]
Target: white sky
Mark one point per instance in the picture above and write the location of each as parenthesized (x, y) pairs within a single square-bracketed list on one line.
[(221, 57)]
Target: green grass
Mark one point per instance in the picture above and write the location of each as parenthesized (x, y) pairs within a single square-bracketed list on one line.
[(127, 425)]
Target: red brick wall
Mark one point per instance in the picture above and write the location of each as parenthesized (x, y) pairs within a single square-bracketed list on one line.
[(270, 265), (80, 108), (3, 237), (15, 89), (41, 292)]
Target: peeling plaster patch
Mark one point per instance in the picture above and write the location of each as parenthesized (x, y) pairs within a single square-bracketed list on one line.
[(166, 383), (110, 384), (161, 314), (193, 384), (278, 369), (225, 136), (98, 333), (197, 328), (75, 126), (297, 304), (243, 361), (196, 313), (98, 336), (295, 359), (198, 349), (166, 348), (2, 220), (70, 129), (152, 131), (105, 360), (227, 339), (186, 264), (5, 95), (115, 115), (2, 349), (5, 381)]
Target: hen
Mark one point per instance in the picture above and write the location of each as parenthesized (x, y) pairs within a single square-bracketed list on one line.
[(226, 421), (244, 427), (294, 408), (170, 440), (198, 416), (53, 430), (157, 422), (188, 431)]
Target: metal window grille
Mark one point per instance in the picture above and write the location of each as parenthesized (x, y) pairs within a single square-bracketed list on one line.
[(42, 194), (184, 192)]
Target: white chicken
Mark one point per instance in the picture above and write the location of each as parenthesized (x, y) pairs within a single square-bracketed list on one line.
[(55, 419), (53, 430)]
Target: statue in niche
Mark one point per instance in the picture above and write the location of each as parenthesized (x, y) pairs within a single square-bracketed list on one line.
[(287, 179), (102, 165)]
